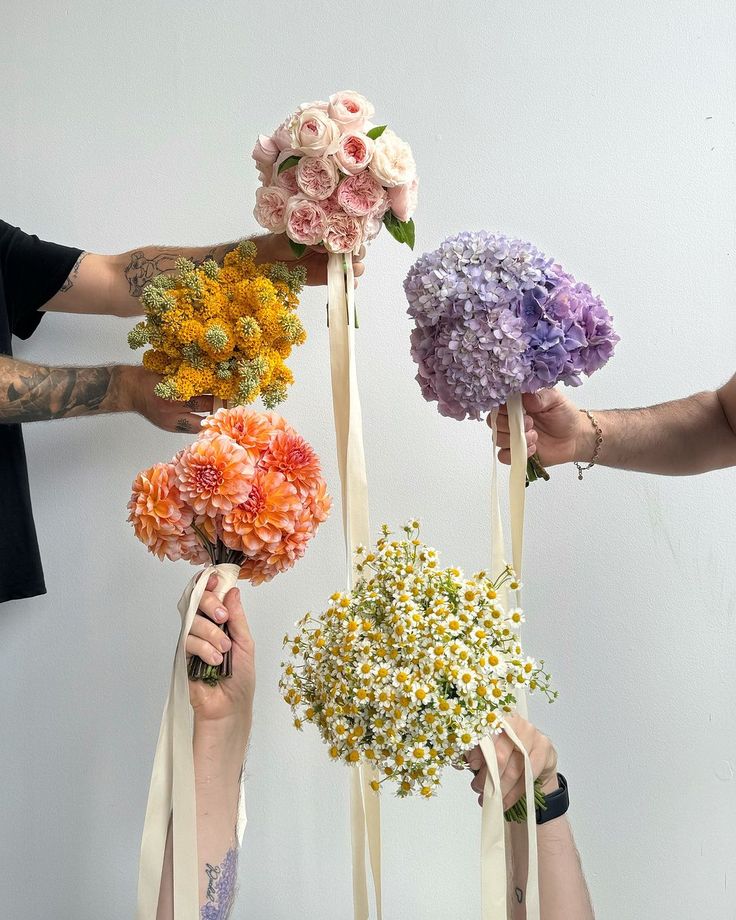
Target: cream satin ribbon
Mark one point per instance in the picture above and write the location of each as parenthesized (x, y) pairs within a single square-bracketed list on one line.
[(493, 848), (365, 816), (171, 795)]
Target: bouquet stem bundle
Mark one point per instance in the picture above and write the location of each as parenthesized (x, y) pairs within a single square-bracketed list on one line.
[(535, 470), (197, 668)]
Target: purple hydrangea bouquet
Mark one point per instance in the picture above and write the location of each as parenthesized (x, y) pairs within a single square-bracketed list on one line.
[(495, 316)]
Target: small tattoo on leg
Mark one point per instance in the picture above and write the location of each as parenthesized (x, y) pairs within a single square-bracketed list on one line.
[(184, 426)]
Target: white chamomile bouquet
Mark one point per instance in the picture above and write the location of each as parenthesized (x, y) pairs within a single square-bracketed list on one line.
[(411, 669)]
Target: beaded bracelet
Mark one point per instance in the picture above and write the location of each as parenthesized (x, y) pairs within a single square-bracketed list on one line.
[(598, 444)]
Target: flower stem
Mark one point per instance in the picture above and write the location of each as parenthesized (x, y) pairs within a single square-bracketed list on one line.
[(211, 673), (518, 812), (535, 470)]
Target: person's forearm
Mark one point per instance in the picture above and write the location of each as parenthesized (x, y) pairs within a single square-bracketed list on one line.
[(563, 894), (219, 754), (35, 392), (679, 438), (139, 266)]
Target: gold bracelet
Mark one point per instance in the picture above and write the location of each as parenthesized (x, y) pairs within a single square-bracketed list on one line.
[(598, 445)]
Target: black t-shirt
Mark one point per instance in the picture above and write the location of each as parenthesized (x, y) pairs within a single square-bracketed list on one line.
[(31, 272)]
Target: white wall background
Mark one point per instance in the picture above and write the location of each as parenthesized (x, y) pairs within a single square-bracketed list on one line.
[(603, 132)]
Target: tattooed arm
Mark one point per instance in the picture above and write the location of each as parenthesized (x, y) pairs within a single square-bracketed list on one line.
[(111, 285), (36, 393), (222, 721), (563, 893)]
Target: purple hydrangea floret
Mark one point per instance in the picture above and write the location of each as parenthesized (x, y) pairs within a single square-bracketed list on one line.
[(494, 316)]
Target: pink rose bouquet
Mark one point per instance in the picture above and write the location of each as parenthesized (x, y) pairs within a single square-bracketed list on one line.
[(249, 492), (330, 177)]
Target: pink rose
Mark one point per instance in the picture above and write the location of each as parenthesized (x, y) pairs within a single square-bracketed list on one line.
[(350, 110), (331, 205), (343, 233), (287, 178), (403, 199), (265, 152), (392, 162), (319, 104), (354, 152), (317, 177), (360, 195), (282, 134), (305, 221), (371, 227), (270, 209), (314, 133)]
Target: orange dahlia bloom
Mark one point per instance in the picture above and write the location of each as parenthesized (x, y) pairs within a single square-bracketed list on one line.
[(266, 514), (214, 475), (290, 455), (319, 502), (157, 511), (292, 546), (257, 570), (251, 430)]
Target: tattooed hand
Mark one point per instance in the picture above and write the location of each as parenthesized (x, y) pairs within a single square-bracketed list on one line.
[(134, 392)]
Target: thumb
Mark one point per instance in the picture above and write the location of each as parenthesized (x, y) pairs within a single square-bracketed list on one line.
[(534, 403), (237, 623)]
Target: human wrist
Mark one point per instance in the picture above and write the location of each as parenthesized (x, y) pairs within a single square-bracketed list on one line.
[(265, 247), (585, 439), (550, 785), (220, 744), (120, 393)]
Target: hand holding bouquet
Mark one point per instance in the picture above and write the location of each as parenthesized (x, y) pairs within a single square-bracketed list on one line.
[(248, 492), (494, 316), (413, 668)]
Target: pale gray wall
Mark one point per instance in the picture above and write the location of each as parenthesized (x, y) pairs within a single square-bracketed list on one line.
[(602, 131)]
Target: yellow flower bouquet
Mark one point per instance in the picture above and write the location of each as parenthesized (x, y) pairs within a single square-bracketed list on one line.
[(222, 330)]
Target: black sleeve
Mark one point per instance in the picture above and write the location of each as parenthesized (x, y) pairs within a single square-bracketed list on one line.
[(32, 271)]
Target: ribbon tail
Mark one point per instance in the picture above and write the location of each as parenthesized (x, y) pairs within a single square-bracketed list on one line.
[(364, 806), (492, 840)]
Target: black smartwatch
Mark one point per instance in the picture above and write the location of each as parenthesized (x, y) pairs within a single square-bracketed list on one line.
[(557, 803)]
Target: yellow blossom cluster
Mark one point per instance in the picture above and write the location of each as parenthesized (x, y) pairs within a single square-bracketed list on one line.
[(222, 330), (412, 668)]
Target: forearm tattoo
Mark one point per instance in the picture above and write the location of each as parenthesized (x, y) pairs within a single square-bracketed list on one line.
[(33, 393), (145, 264), (69, 283), (220, 895)]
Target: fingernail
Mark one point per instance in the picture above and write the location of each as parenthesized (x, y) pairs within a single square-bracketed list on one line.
[(218, 657), (225, 643), (220, 613)]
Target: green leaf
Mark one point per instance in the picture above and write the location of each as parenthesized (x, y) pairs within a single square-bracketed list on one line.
[(410, 233), (377, 131), (297, 248), (403, 231), (288, 163)]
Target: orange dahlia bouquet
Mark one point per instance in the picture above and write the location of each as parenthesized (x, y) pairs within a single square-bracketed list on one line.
[(248, 493)]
